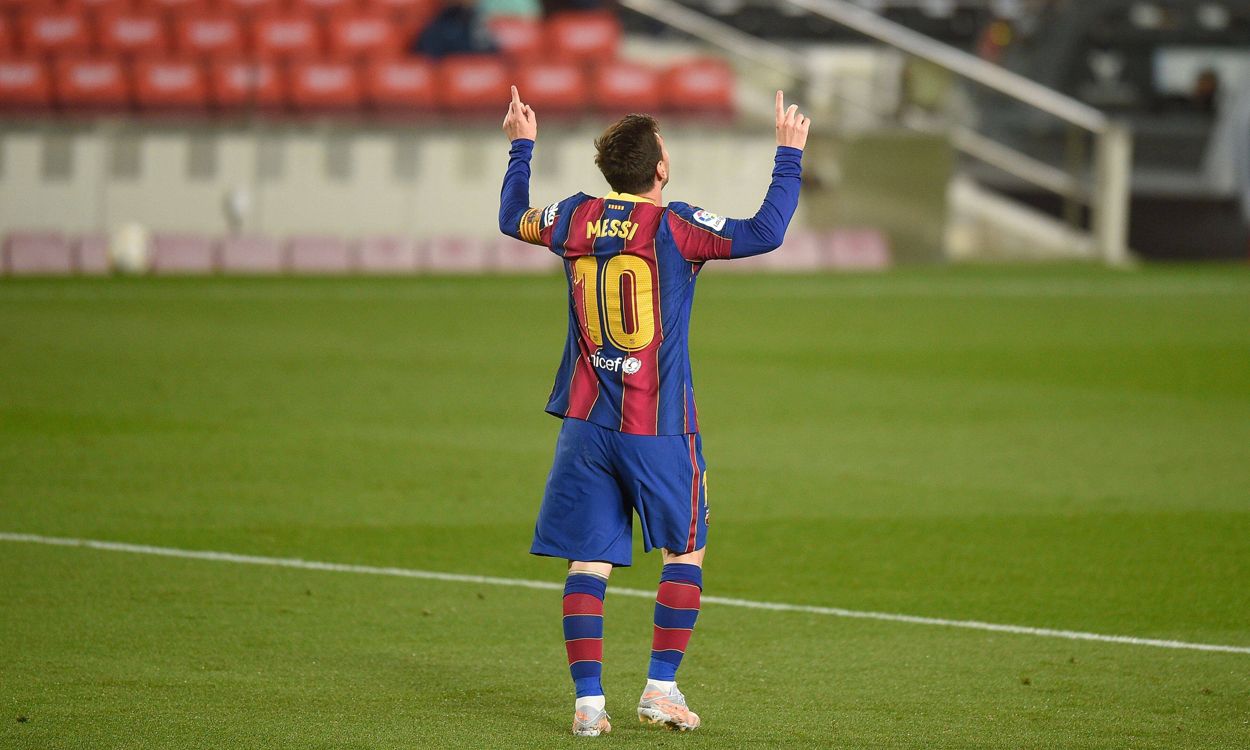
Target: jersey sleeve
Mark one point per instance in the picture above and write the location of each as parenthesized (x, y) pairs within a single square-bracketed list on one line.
[(516, 217), (701, 235)]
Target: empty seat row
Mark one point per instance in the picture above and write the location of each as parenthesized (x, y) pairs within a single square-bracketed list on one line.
[(461, 84), (345, 35), (50, 253), (245, 7)]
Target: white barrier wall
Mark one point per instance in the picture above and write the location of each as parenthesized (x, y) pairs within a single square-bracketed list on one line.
[(419, 181)]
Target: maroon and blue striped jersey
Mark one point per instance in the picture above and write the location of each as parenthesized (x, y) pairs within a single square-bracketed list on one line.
[(631, 268)]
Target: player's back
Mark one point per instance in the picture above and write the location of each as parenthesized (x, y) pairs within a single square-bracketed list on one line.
[(626, 364), (631, 268)]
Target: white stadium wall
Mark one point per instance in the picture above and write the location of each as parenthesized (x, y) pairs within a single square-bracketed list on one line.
[(417, 181)]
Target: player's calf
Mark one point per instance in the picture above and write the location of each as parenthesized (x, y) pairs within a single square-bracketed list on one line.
[(676, 611), (583, 641)]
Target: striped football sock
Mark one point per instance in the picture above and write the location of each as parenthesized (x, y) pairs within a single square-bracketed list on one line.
[(583, 631), (676, 609)]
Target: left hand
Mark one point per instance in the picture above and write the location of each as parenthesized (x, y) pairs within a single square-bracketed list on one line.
[(520, 121)]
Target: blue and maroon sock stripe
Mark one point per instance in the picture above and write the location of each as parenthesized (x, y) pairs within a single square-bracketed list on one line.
[(583, 631), (676, 611)]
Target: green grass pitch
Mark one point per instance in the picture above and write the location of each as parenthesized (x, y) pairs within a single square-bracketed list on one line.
[(1055, 447)]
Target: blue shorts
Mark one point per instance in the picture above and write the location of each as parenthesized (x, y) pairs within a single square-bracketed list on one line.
[(599, 476)]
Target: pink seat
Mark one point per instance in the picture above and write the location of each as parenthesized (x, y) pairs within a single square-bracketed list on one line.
[(91, 255), (182, 254), (801, 251), (858, 249), (515, 256), (319, 255), (458, 255), (38, 253), (387, 255), (251, 254)]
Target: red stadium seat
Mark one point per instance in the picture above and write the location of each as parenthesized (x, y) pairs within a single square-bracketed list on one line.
[(180, 7), (622, 87), (400, 85), (251, 255), (7, 46), (287, 37), (387, 255), (170, 84), (183, 254), (24, 85), (41, 253), (248, 7), (208, 36), (319, 255), (236, 84), (57, 32), (409, 16), (355, 35), (95, 7), (702, 85), (473, 83), (585, 36), (518, 37), (552, 86), (305, 7), (131, 33), (91, 83), (324, 86)]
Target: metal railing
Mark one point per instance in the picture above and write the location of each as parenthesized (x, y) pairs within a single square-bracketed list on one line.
[(1109, 194)]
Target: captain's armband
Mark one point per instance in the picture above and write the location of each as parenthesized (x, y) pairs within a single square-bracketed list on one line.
[(531, 227)]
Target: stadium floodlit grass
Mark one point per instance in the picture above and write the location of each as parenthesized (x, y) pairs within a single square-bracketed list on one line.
[(1054, 447)]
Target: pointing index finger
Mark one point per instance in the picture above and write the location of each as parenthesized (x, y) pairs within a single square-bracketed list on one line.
[(516, 97), (781, 103)]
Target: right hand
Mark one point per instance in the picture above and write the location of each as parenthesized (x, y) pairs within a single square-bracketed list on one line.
[(791, 125), (520, 121)]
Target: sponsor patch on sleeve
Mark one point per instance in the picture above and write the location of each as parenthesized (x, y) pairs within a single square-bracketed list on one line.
[(709, 219), (549, 215)]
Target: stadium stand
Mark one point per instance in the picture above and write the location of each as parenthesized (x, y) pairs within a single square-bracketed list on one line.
[(622, 87), (207, 35), (183, 254), (251, 255), (318, 255), (91, 255), (38, 253), (323, 56), (189, 254), (400, 86), (240, 85), (387, 255), (170, 85), (25, 86)]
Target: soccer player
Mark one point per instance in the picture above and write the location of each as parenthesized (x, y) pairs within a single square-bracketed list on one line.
[(630, 442)]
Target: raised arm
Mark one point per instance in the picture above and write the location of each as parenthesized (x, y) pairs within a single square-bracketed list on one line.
[(516, 217), (705, 236)]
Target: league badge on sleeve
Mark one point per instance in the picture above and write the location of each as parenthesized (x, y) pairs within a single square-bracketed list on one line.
[(709, 219), (549, 215)]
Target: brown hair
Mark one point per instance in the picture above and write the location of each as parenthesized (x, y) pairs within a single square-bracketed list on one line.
[(627, 153)]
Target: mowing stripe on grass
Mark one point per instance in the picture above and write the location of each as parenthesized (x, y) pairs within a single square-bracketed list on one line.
[(292, 562)]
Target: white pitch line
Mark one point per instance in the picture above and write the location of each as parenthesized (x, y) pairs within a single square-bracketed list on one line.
[(292, 562)]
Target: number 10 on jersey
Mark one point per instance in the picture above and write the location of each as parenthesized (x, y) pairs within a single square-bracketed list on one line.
[(617, 298)]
